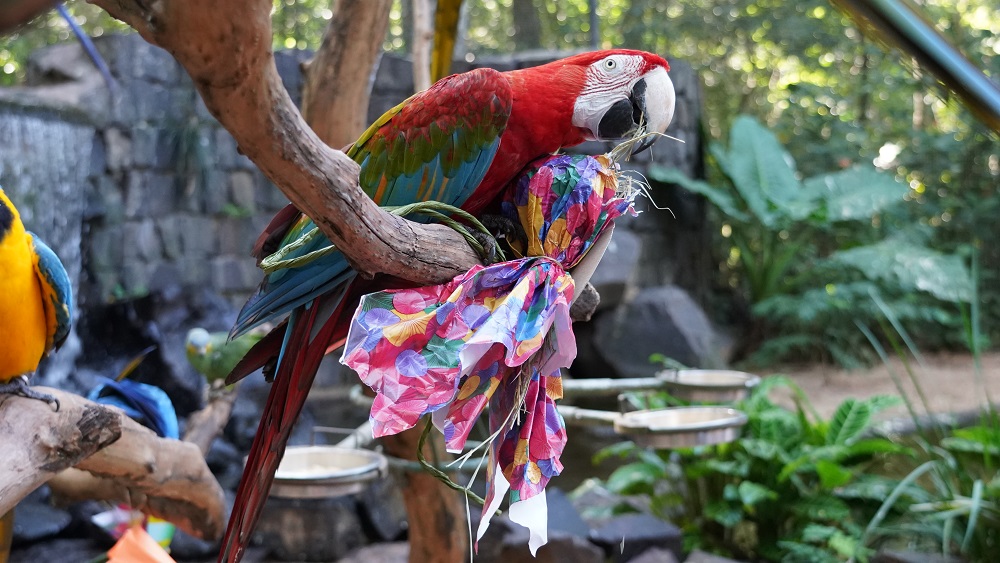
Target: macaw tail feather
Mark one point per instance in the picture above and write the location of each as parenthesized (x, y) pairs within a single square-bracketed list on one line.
[(309, 333)]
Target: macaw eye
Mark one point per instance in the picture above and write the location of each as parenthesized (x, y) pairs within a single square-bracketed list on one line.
[(610, 64)]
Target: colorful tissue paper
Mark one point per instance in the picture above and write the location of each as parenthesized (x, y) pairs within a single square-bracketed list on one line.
[(497, 335)]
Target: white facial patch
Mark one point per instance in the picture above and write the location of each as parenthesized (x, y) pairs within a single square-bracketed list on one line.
[(608, 81), (660, 100)]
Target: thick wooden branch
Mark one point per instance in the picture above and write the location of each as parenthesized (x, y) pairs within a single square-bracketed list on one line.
[(162, 477), (225, 46), (37, 442), (115, 458)]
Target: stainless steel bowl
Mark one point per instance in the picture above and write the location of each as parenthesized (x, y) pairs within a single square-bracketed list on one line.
[(325, 471), (681, 427), (708, 385)]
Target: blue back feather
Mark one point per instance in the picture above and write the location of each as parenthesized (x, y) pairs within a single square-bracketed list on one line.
[(58, 289)]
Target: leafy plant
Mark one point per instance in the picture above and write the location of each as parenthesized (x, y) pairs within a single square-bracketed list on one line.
[(958, 469), (793, 487), (808, 252)]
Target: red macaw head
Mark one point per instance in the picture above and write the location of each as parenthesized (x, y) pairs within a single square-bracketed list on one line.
[(623, 91), (601, 95)]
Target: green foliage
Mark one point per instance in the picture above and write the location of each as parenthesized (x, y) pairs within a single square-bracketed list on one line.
[(808, 252), (793, 486), (948, 499)]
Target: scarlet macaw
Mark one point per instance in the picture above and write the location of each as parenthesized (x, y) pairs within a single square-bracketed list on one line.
[(459, 142), (36, 303)]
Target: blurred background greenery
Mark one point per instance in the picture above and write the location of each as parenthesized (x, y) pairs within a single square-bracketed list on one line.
[(832, 97)]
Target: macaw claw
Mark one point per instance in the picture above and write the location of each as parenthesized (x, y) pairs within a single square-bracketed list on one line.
[(19, 386), (489, 244)]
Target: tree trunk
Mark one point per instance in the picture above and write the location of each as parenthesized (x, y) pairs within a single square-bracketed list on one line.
[(423, 40), (338, 79), (436, 516), (527, 25)]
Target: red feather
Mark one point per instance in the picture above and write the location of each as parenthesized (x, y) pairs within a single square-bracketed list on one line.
[(284, 403), (269, 240)]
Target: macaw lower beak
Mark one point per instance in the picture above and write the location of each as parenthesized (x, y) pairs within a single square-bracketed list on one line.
[(652, 101)]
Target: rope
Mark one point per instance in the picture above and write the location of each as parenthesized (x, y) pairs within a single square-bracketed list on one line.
[(437, 473)]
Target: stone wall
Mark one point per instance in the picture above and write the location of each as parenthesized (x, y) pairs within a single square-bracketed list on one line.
[(148, 201)]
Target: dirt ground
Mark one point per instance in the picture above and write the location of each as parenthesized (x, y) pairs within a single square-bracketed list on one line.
[(948, 380)]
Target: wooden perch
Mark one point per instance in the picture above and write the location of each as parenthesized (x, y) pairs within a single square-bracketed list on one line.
[(225, 46), (115, 457), (38, 442), (165, 478), (205, 425)]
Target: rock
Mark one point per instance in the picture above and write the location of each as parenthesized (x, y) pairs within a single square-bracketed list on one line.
[(392, 552), (226, 463), (561, 547), (597, 505), (655, 555), (563, 515), (699, 556), (625, 537), (506, 542), (231, 274), (615, 275), (310, 529), (242, 192), (185, 547), (891, 556), (35, 518), (663, 320), (382, 510), (289, 62), (588, 362), (81, 549)]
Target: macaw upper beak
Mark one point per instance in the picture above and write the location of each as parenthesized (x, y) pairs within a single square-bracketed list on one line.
[(652, 106)]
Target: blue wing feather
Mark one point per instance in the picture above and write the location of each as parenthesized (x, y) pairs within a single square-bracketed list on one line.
[(58, 292)]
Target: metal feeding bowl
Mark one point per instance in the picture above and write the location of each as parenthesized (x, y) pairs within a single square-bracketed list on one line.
[(708, 385), (325, 471), (681, 427)]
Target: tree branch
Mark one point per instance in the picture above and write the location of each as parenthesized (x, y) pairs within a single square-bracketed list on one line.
[(225, 46), (115, 458), (159, 476), (205, 425), (38, 442)]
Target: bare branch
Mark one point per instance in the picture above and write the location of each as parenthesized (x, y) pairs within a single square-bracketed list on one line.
[(115, 459), (159, 476), (205, 425), (38, 442), (225, 46)]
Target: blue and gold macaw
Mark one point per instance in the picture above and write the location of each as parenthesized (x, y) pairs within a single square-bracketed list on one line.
[(36, 303)]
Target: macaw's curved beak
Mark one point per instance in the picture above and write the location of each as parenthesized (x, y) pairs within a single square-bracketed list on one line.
[(652, 106)]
